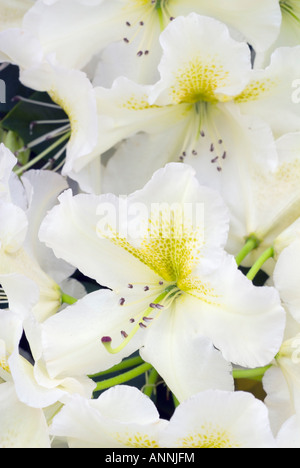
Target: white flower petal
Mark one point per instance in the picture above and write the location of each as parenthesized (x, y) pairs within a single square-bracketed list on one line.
[(7, 163), (71, 90), (271, 93), (21, 426), (187, 361), (45, 188), (13, 228), (22, 293), (12, 12), (124, 110), (20, 47), (287, 276), (71, 340), (289, 434), (120, 417), (257, 22), (111, 265), (245, 322), (58, 23), (200, 62), (278, 399), (216, 419)]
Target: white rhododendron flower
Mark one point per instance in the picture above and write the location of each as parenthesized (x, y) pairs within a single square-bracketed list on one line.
[(286, 278), (73, 92), (124, 417), (149, 225), (31, 384), (22, 426), (22, 209), (264, 203), (77, 30), (289, 30), (20, 47), (120, 417), (282, 380), (173, 284), (216, 419), (192, 113), (282, 383)]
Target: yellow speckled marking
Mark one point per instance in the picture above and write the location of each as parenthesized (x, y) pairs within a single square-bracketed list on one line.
[(198, 81), (137, 440), (4, 365), (209, 437), (137, 103), (255, 89), (171, 248)]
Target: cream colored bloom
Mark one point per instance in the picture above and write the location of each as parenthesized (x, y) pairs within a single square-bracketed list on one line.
[(173, 286), (22, 426), (124, 417), (23, 205), (216, 419), (289, 30), (193, 114), (121, 417), (282, 380), (73, 92), (76, 30)]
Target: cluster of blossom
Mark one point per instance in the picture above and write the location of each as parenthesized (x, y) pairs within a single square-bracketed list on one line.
[(180, 182)]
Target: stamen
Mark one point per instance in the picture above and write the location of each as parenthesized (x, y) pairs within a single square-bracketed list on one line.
[(147, 319), (43, 154), (60, 165), (48, 136), (52, 161), (46, 122), (141, 21), (38, 103), (106, 340)]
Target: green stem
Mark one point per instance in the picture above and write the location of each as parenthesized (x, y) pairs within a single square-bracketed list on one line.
[(66, 299), (120, 379), (251, 244), (150, 384), (43, 154), (127, 363), (269, 253), (252, 374), (175, 401)]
